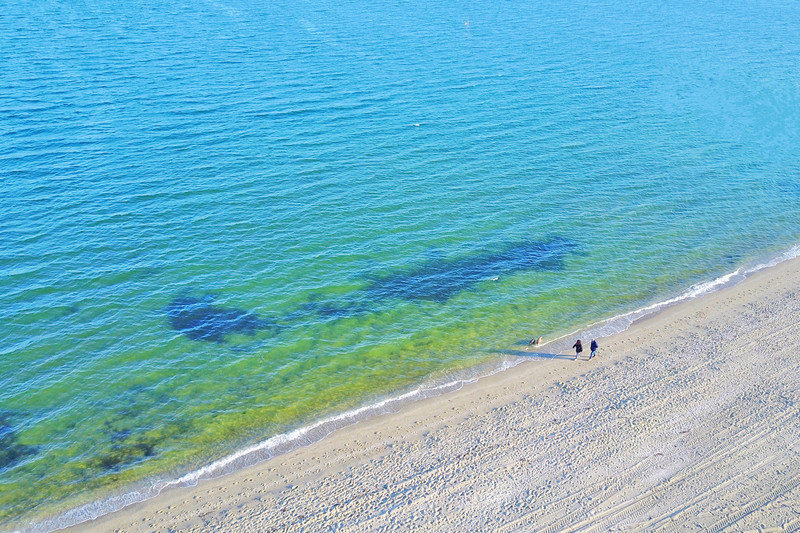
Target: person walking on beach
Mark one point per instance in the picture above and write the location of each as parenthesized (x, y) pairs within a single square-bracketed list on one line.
[(593, 347), (578, 349)]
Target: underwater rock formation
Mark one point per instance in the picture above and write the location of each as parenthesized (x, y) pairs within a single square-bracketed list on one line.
[(436, 279), (441, 280), (11, 451), (199, 320)]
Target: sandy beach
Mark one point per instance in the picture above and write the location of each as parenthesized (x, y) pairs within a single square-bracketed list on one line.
[(688, 421)]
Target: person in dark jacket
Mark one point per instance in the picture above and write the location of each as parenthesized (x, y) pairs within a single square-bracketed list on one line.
[(593, 347), (578, 348)]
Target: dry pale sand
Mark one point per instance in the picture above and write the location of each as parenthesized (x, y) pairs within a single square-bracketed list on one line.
[(688, 421)]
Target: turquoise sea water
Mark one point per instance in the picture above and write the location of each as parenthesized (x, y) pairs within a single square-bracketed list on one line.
[(222, 221)]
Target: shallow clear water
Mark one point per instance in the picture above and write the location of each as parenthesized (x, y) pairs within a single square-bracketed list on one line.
[(224, 220)]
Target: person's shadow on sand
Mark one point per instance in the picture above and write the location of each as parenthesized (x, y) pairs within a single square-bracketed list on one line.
[(540, 355)]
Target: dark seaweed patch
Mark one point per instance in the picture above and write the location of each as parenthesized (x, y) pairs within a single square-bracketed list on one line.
[(441, 280), (330, 309), (199, 320), (125, 453), (11, 451), (128, 444), (435, 279), (119, 435)]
